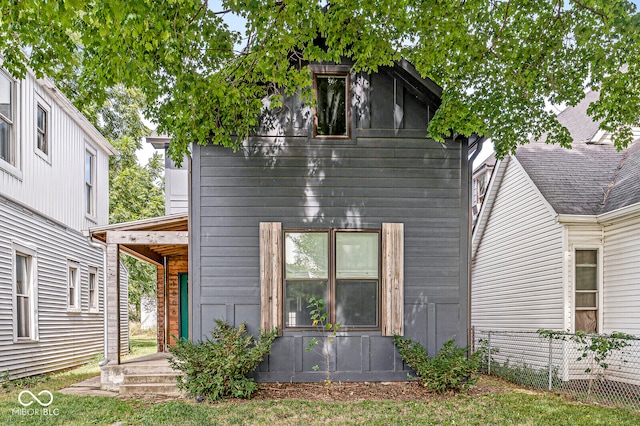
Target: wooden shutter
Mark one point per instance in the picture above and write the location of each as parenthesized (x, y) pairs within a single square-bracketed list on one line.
[(270, 275), (392, 279)]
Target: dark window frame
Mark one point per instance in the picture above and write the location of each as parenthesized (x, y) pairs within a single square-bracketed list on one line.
[(330, 303), (347, 77)]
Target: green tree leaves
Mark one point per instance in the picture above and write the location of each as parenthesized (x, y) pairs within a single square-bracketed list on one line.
[(500, 62)]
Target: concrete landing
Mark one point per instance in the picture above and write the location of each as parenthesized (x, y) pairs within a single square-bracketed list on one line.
[(89, 387)]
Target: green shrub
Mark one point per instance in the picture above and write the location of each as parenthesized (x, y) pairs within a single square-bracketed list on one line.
[(218, 368), (449, 370)]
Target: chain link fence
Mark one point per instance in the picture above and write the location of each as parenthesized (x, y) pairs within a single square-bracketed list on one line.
[(594, 368)]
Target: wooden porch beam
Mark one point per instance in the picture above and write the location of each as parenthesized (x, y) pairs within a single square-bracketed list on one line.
[(148, 237), (144, 253)]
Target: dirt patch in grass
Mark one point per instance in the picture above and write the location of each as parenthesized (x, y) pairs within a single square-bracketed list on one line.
[(372, 391)]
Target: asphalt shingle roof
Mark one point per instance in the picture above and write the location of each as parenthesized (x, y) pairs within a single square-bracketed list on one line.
[(588, 179)]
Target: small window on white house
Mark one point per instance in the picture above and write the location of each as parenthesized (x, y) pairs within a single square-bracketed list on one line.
[(586, 291), (89, 183), (42, 134), (25, 294), (332, 113), (93, 289), (8, 149), (73, 287)]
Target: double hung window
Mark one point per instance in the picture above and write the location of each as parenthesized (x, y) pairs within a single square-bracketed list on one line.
[(586, 291)]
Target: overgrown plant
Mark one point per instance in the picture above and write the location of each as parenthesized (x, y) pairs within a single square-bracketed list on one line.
[(218, 367), (449, 370), (328, 333), (595, 348)]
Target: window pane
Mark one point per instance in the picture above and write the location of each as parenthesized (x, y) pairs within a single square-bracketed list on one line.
[(586, 300), (5, 97), (23, 325), (87, 190), (88, 166), (22, 275), (586, 257), (587, 321), (5, 141), (307, 255), (297, 294), (41, 119), (331, 109), (357, 303), (356, 255), (586, 278)]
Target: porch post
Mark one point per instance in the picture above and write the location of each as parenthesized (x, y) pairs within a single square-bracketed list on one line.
[(112, 301), (160, 307)]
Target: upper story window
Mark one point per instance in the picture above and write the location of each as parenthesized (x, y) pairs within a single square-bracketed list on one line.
[(332, 112), (42, 135), (586, 291), (7, 105), (89, 182)]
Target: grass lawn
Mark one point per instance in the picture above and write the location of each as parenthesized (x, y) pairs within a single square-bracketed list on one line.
[(507, 406)]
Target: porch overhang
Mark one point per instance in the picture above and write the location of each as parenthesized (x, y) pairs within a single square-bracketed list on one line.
[(152, 240)]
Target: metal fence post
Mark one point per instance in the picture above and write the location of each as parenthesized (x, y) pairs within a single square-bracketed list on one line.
[(489, 354), (550, 363)]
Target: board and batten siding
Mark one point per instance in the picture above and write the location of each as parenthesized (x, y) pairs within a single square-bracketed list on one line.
[(65, 339), (54, 186), (517, 273), (622, 277)]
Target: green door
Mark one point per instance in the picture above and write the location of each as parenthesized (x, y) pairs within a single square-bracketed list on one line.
[(184, 306)]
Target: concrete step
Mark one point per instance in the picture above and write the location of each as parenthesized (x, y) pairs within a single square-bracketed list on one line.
[(150, 389), (134, 379)]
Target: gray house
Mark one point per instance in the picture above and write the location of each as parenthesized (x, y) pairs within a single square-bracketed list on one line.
[(348, 202)]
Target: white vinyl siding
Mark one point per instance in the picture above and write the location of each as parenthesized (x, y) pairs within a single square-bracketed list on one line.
[(621, 289), (517, 275), (53, 186), (63, 340)]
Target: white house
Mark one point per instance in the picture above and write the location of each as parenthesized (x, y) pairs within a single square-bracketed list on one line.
[(54, 169), (557, 241)]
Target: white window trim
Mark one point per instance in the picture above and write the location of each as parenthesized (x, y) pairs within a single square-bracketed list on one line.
[(31, 252), (600, 290), (94, 198), (76, 307), (15, 168), (40, 102), (94, 309)]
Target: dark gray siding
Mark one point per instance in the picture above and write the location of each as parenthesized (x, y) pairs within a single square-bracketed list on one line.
[(379, 176)]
